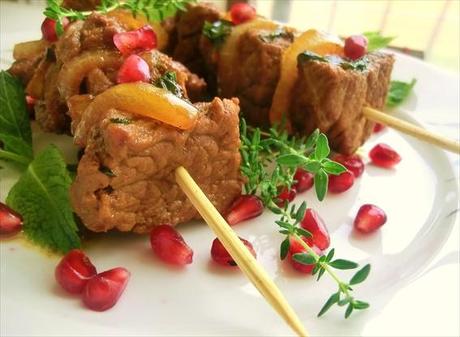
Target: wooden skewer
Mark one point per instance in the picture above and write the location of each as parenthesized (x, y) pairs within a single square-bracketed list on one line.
[(246, 262), (411, 129)]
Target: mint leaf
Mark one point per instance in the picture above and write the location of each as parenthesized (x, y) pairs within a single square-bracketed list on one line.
[(41, 196), (398, 92), (15, 132), (377, 41)]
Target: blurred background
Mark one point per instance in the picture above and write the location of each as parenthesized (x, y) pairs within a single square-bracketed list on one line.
[(428, 29)]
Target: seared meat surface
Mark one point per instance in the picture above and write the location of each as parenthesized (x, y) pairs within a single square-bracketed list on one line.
[(125, 179), (85, 61), (331, 99)]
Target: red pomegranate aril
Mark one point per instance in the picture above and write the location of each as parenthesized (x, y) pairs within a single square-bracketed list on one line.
[(384, 156), (242, 12), (136, 41), (313, 223), (378, 127), (49, 29), (103, 290), (286, 195), (10, 221), (170, 246), (369, 218), (353, 163), (355, 47), (74, 271), (134, 69), (297, 248), (220, 255), (304, 180), (342, 182), (30, 102), (245, 207)]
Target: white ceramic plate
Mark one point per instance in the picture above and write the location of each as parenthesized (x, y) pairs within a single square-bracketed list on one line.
[(420, 197)]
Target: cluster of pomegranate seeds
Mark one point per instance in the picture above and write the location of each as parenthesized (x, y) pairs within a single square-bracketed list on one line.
[(242, 12), (304, 180), (286, 195), (384, 156), (378, 127), (170, 246), (369, 218), (355, 47), (296, 247), (74, 271), (221, 256), (313, 223), (341, 183), (136, 41), (10, 221), (76, 274), (103, 290), (353, 163), (245, 207), (49, 29), (133, 69)]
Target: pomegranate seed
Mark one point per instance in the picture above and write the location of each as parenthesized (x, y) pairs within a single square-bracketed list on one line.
[(313, 223), (369, 218), (355, 47), (378, 127), (170, 246), (10, 221), (74, 271), (30, 102), (136, 41), (384, 156), (134, 69), (297, 248), (49, 29), (353, 163), (242, 12), (304, 180), (342, 182), (245, 207), (103, 290), (221, 256), (286, 195)]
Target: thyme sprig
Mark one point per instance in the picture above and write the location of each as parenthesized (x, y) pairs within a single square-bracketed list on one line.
[(269, 161), (289, 226), (153, 10)]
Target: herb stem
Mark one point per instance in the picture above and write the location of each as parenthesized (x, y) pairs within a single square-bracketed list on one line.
[(14, 157)]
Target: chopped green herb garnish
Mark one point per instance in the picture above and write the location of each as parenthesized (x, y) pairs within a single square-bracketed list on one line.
[(169, 82), (278, 33), (399, 91), (307, 56), (41, 196), (358, 65), (217, 31), (377, 41), (15, 132), (120, 120)]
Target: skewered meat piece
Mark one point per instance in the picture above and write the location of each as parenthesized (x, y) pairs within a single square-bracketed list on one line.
[(125, 179), (86, 61), (256, 63), (330, 98)]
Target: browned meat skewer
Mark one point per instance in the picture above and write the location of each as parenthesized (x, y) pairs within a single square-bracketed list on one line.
[(125, 179), (324, 95)]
